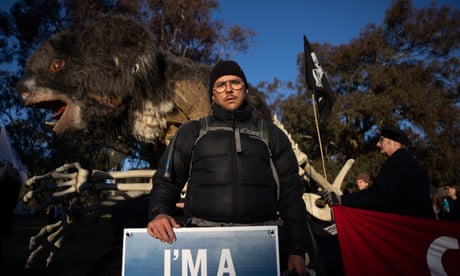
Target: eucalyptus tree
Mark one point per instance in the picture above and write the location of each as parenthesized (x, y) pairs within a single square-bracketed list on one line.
[(404, 72)]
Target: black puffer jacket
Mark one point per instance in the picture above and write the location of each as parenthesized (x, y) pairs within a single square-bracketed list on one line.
[(230, 185)]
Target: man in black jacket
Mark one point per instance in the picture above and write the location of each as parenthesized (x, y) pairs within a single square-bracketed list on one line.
[(228, 171), (402, 185)]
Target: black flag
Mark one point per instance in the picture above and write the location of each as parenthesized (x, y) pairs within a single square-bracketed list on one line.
[(317, 81)]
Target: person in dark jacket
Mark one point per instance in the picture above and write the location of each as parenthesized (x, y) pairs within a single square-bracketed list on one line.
[(401, 186), (11, 182), (230, 180), (451, 209)]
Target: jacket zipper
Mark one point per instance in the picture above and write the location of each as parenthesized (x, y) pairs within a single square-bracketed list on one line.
[(236, 149)]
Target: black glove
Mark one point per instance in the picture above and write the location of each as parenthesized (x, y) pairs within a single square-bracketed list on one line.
[(332, 199)]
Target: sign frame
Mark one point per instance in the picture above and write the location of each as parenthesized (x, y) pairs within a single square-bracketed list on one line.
[(237, 250)]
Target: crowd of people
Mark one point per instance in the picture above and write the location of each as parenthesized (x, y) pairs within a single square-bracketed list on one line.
[(445, 202), (402, 186), (234, 176)]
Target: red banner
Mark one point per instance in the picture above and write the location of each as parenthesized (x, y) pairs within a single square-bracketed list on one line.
[(375, 243)]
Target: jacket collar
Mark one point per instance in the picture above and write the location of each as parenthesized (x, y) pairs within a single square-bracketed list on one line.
[(243, 113)]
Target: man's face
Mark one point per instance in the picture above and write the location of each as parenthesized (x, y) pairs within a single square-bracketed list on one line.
[(228, 92), (387, 146)]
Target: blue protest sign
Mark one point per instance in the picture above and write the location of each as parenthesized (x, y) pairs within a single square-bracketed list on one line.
[(251, 250)]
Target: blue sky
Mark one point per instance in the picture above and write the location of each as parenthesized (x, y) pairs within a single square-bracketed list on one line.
[(281, 24)]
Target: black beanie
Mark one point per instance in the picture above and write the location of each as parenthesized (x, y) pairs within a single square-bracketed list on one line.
[(394, 134), (226, 67)]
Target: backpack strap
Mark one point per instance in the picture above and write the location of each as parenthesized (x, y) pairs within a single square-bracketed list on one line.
[(206, 125), (167, 172), (263, 128)]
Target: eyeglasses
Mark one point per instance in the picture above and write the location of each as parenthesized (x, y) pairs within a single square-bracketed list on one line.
[(381, 139), (235, 84)]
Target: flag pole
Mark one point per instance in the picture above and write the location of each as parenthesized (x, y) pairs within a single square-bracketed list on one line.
[(314, 78), (315, 112)]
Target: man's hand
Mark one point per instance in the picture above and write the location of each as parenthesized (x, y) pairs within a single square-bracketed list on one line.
[(332, 199), (297, 263), (161, 227)]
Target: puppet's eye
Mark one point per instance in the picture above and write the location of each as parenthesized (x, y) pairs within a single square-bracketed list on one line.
[(56, 66)]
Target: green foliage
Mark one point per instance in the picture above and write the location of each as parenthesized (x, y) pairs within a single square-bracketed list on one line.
[(404, 72)]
